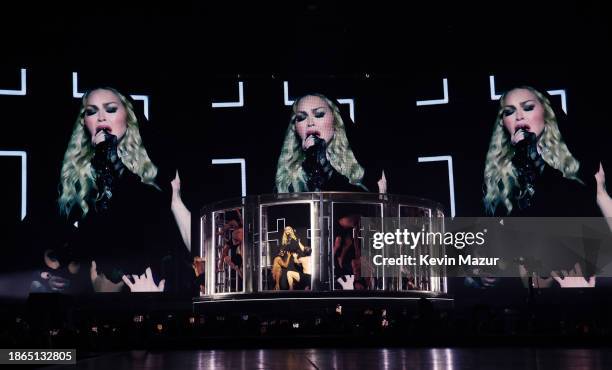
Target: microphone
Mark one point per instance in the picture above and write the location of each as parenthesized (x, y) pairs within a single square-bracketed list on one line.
[(316, 165), (315, 150), (318, 143), (528, 163), (106, 151), (527, 147), (108, 168)]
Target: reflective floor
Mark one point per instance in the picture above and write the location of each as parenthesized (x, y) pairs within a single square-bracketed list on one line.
[(355, 358)]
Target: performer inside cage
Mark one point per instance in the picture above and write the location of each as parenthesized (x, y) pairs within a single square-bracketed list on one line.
[(348, 269), (294, 261), (233, 235)]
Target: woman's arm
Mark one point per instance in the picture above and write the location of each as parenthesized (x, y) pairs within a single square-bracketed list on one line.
[(603, 198), (337, 244), (357, 247), (286, 263), (344, 251), (225, 250), (382, 184), (181, 214), (224, 254)]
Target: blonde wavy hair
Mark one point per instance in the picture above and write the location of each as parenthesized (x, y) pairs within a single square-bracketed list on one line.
[(285, 240), (77, 177), (290, 177), (500, 176)]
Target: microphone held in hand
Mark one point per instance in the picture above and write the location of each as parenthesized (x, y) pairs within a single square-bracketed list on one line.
[(316, 165), (528, 164), (108, 168), (526, 150), (316, 148)]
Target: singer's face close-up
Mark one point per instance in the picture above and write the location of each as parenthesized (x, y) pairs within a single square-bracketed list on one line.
[(522, 110), (314, 118), (105, 111)]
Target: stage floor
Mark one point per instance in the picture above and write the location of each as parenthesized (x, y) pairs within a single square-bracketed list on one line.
[(356, 358), (279, 304)]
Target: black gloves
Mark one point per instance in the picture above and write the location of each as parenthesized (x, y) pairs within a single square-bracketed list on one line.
[(316, 165), (528, 164), (108, 168)]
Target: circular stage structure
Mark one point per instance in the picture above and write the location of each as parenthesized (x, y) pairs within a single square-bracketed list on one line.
[(313, 247)]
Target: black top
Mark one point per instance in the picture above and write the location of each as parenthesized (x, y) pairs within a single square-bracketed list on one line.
[(293, 247), (136, 231), (339, 182), (322, 176), (346, 241), (556, 196)]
